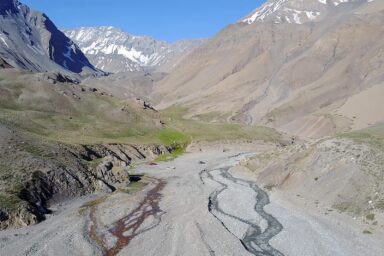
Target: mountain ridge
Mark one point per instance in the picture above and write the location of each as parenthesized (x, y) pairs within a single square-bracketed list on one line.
[(285, 75), (29, 40), (114, 50), (297, 11)]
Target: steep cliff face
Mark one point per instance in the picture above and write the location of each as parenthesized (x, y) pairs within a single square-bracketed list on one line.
[(29, 40)]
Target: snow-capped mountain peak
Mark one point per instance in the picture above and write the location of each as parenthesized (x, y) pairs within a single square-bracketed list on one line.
[(296, 11), (113, 50)]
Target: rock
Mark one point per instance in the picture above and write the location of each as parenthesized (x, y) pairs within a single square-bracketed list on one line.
[(145, 105), (32, 42), (4, 64), (57, 77), (3, 216), (19, 218), (53, 181)]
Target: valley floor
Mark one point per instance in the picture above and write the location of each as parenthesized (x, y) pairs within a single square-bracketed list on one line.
[(198, 204)]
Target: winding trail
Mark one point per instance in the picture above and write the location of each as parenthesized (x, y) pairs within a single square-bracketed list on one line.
[(255, 240)]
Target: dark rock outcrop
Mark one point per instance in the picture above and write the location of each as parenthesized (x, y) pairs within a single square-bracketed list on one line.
[(57, 78), (4, 64), (29, 40), (81, 170)]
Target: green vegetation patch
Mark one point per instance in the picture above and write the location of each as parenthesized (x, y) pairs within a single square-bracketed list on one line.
[(134, 187), (171, 137), (72, 116), (122, 133), (180, 132), (205, 131), (11, 202), (176, 140), (373, 136), (370, 216), (173, 155), (209, 116), (349, 207)]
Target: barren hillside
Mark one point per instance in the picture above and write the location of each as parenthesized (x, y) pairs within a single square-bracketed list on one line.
[(293, 76)]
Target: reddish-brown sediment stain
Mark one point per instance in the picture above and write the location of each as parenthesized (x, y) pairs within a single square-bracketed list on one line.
[(130, 225)]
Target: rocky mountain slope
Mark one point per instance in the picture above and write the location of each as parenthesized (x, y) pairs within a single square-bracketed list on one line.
[(290, 65), (49, 172), (127, 85), (60, 141), (299, 12), (29, 40), (114, 50)]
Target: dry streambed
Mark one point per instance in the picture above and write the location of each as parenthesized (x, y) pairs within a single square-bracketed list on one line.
[(195, 205), (144, 217), (259, 226)]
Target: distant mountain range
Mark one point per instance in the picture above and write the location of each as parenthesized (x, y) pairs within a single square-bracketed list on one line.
[(114, 50), (29, 40)]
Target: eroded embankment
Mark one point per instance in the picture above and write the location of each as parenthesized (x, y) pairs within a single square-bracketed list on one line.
[(55, 173)]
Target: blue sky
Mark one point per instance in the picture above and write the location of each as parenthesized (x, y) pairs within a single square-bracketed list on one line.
[(168, 20)]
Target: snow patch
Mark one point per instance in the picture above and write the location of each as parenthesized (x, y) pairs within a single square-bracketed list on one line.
[(280, 11), (2, 38), (68, 54)]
